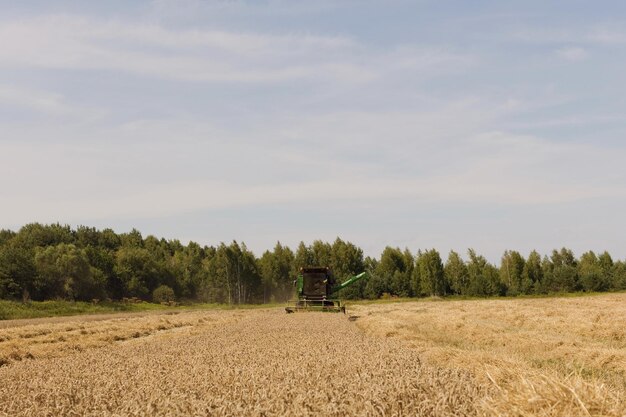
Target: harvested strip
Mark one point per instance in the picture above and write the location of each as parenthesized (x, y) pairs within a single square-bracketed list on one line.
[(544, 356), (41, 338)]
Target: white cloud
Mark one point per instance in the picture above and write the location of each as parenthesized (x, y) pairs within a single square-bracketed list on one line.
[(411, 57), (34, 100), (259, 115), (608, 35), (209, 169), (46, 103), (290, 8), (573, 53), (69, 42), (588, 35), (543, 35), (74, 42)]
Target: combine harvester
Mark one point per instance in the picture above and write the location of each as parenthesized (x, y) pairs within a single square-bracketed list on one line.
[(315, 288)]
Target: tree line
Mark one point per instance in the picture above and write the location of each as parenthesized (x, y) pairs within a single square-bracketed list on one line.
[(42, 262)]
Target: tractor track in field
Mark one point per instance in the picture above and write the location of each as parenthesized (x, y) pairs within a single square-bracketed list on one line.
[(261, 363)]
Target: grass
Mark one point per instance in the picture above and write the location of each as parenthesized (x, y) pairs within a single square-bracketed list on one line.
[(17, 310), (11, 310)]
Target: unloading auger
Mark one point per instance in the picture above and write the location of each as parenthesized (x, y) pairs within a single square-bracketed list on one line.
[(315, 288)]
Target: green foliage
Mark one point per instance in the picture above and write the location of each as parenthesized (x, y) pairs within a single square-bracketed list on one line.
[(63, 271), (618, 276), (483, 278), (231, 276), (392, 274), (591, 274), (456, 274), (185, 264), (532, 275), (512, 273), (322, 253), (560, 272), (138, 270), (371, 287), (17, 270), (163, 294), (303, 257), (36, 234), (431, 273), (346, 260), (5, 236), (44, 262), (276, 273)]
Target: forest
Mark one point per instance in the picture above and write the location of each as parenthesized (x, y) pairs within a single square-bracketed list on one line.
[(55, 261)]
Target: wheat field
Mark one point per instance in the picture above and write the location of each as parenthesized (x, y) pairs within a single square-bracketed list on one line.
[(534, 357), (545, 357)]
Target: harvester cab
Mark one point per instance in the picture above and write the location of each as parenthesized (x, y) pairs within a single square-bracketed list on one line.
[(315, 289)]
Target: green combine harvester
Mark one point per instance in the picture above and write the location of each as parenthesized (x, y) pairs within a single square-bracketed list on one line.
[(315, 288)]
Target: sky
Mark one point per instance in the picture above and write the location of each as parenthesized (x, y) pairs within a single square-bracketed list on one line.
[(415, 124)]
